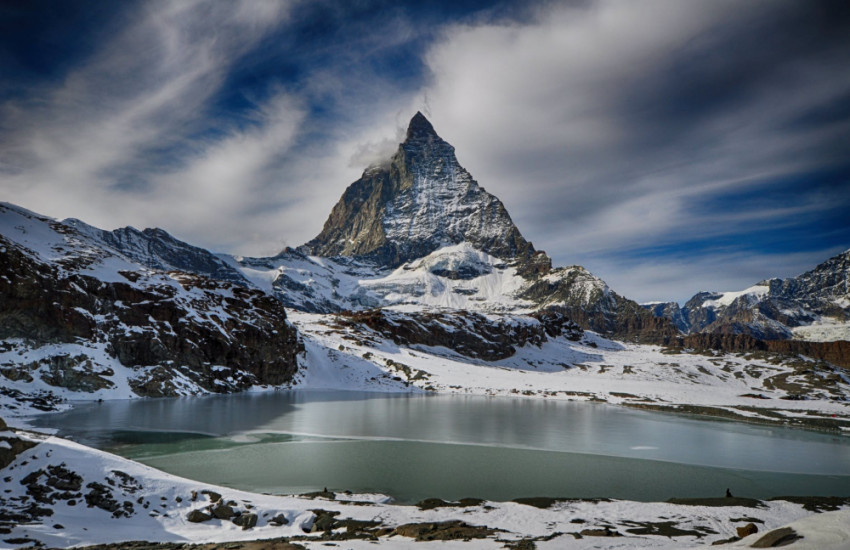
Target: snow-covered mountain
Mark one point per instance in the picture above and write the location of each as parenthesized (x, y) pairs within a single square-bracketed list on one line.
[(814, 306), (419, 232), (110, 313)]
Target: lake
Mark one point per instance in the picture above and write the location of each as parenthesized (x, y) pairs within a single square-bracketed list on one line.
[(447, 446)]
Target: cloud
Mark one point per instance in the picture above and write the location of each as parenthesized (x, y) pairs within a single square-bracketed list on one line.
[(107, 141), (613, 125)]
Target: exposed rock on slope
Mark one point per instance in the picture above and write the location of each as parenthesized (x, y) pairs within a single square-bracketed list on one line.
[(669, 310), (466, 333), (156, 249)]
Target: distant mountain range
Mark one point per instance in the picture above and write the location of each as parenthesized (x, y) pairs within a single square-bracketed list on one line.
[(814, 306), (415, 246)]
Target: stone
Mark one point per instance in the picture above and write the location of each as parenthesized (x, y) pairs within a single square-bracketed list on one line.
[(246, 520), (223, 511), (279, 519), (214, 497), (747, 530), (324, 521), (198, 516), (776, 538)]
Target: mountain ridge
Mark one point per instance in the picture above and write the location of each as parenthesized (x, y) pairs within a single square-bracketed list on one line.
[(809, 306)]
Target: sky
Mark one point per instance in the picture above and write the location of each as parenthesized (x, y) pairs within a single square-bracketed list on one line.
[(668, 146)]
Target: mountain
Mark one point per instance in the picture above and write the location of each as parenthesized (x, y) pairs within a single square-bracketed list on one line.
[(156, 249), (418, 231), (86, 310), (420, 200), (813, 306)]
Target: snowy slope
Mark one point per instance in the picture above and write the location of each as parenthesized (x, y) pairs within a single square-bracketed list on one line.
[(454, 277), (747, 387)]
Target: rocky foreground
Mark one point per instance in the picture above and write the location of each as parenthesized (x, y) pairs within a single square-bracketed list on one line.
[(57, 493)]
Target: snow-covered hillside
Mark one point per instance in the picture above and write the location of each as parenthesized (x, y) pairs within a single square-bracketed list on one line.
[(767, 388)]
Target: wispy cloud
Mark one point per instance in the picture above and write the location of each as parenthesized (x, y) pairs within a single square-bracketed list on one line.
[(611, 126), (111, 142)]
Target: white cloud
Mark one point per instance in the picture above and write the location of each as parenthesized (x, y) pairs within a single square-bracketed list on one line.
[(91, 145), (598, 125)]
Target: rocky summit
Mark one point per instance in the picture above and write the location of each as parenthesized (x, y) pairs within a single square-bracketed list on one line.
[(418, 201)]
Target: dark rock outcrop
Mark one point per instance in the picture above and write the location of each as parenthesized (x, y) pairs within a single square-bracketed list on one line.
[(467, 333), (837, 353), (198, 516)]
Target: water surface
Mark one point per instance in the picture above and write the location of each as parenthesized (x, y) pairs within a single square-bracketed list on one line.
[(414, 447)]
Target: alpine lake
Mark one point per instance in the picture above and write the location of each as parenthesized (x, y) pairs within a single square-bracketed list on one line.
[(413, 447)]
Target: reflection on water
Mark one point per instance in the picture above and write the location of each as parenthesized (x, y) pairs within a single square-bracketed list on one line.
[(455, 446)]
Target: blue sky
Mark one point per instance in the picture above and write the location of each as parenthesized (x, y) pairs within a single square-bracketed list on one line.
[(667, 146)]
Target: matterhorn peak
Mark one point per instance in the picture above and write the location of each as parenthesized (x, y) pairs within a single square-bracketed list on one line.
[(420, 127), (419, 201)]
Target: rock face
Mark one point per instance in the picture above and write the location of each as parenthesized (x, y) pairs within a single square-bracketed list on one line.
[(814, 306), (467, 333), (156, 249), (83, 311), (669, 310), (419, 201)]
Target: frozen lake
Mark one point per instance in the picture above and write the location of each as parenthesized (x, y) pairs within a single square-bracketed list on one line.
[(418, 446)]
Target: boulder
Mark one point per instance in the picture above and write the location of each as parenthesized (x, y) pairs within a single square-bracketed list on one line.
[(223, 511), (777, 537), (747, 530), (279, 519), (246, 520), (214, 497), (198, 516)]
